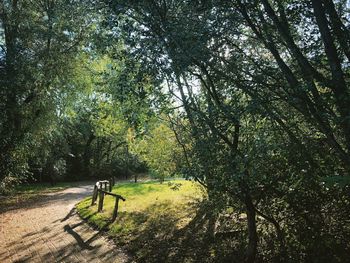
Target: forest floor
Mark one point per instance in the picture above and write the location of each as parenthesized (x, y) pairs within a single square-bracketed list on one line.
[(47, 229)]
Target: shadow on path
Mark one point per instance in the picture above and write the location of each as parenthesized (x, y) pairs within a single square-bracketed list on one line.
[(49, 230)]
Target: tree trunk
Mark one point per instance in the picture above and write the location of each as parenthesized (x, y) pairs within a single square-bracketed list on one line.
[(339, 86), (252, 233), (279, 233)]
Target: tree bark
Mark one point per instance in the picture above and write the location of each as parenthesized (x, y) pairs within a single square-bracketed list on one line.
[(339, 29), (339, 86), (252, 233)]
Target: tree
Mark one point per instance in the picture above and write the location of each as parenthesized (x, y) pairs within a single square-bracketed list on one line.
[(264, 101), (39, 43), (159, 149)]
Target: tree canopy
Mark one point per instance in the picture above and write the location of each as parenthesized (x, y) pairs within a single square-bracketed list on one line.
[(249, 98)]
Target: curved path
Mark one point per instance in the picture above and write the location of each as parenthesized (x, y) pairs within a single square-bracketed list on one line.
[(49, 230)]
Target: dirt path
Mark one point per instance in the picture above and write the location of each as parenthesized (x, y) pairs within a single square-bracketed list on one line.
[(49, 230)]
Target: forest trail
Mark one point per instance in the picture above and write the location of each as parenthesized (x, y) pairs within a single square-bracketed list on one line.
[(49, 230)]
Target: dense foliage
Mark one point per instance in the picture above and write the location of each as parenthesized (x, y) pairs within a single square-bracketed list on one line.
[(249, 98)]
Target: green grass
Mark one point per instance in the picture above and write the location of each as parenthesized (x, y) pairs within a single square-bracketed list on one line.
[(169, 222), (151, 209)]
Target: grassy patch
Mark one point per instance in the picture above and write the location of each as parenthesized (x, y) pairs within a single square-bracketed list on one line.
[(169, 222), (144, 201), (151, 210)]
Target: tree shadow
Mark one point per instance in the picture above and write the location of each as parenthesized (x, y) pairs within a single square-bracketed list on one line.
[(38, 200), (77, 237), (53, 238), (160, 239)]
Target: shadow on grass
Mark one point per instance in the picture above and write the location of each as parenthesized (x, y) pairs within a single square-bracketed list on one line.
[(159, 235)]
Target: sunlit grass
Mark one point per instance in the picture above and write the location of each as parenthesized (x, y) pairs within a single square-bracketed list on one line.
[(165, 206)]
